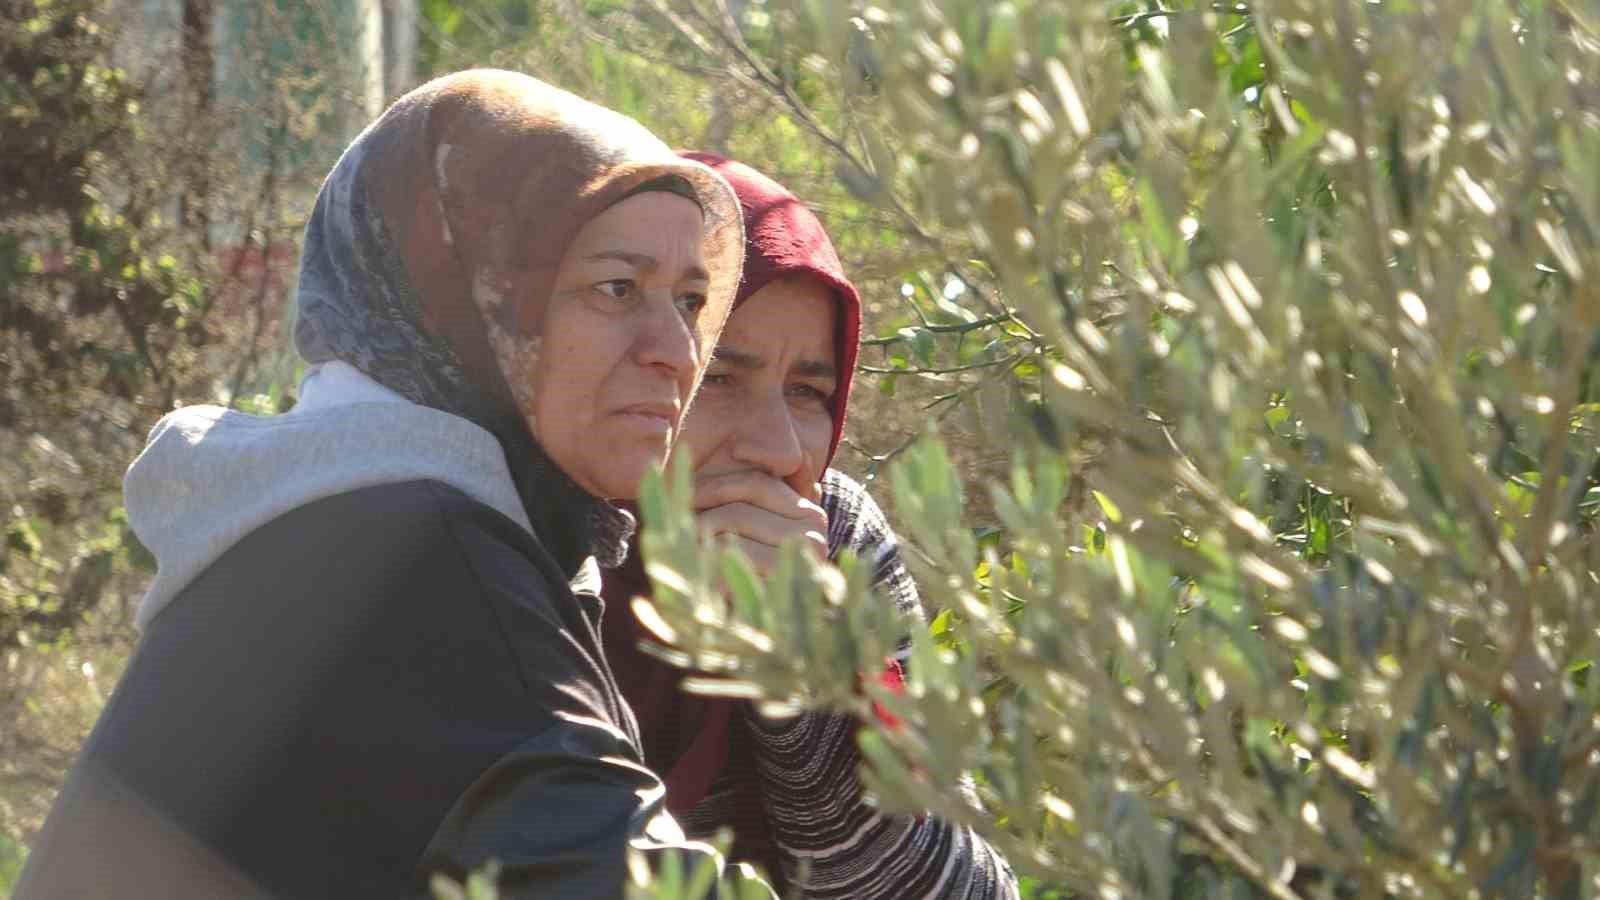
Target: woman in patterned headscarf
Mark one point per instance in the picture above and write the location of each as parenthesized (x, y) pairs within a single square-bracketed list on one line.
[(371, 652)]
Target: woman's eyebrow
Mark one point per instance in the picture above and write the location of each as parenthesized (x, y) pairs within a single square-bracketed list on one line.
[(739, 359), (816, 368), (646, 261)]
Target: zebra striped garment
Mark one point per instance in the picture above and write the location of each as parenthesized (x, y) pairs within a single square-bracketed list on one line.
[(829, 842)]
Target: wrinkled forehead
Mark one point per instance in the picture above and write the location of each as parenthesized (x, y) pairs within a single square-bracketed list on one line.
[(654, 230), (792, 321)]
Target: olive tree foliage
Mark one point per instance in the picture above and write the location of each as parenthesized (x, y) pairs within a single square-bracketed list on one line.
[(1301, 293)]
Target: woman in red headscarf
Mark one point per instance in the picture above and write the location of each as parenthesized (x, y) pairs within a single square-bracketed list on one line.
[(760, 435)]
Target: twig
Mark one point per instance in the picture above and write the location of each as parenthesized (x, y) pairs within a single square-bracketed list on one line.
[(1580, 754), (608, 39), (1560, 435), (959, 328), (967, 282), (141, 343), (882, 370), (1242, 861), (258, 304), (879, 461), (728, 33), (1353, 91), (1139, 18)]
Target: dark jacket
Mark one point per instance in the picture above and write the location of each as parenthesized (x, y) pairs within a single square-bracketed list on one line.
[(378, 684)]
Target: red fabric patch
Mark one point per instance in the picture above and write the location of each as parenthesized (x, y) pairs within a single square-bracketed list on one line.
[(893, 677)]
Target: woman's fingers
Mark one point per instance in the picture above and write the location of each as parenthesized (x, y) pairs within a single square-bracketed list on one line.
[(765, 556), (761, 525), (760, 490), (759, 512)]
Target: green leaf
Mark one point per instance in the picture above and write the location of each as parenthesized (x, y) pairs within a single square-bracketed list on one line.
[(1276, 417), (443, 15), (1108, 507), (1319, 536), (1158, 229), (1589, 505), (21, 538), (1249, 71), (922, 344), (744, 587)]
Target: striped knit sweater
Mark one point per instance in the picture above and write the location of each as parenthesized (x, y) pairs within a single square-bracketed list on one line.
[(830, 843)]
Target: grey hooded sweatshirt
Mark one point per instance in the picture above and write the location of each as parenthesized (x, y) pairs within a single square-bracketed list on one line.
[(209, 476)]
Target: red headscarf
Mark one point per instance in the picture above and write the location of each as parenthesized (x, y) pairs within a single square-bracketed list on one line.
[(690, 739), (782, 238)]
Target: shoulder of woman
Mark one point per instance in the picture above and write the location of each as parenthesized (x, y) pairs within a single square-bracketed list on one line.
[(425, 570), (857, 524), (421, 512), (404, 582), (388, 546), (512, 570), (855, 520)]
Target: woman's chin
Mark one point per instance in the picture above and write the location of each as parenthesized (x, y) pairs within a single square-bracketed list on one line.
[(626, 471)]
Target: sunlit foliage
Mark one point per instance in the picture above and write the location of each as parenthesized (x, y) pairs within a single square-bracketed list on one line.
[(1298, 296)]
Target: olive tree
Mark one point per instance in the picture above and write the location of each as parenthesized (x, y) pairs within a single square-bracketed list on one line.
[(1284, 315)]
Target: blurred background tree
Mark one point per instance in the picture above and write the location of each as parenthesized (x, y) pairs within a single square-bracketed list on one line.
[(1257, 338), (150, 200)]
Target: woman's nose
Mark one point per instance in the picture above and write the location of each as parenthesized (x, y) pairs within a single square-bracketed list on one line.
[(666, 342), (766, 438)]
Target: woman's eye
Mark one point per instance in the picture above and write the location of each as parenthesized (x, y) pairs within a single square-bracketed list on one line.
[(690, 303), (809, 392), (716, 379), (616, 288)]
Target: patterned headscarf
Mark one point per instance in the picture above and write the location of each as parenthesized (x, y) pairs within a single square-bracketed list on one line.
[(430, 256)]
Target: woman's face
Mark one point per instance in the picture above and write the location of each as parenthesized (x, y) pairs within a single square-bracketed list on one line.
[(763, 405), (618, 355)]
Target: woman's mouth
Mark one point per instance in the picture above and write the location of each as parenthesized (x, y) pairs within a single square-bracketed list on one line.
[(654, 417)]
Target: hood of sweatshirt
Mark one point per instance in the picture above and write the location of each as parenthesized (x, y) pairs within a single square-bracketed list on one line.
[(209, 476)]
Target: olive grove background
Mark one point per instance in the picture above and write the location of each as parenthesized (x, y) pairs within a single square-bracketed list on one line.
[(1257, 340)]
